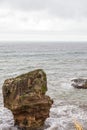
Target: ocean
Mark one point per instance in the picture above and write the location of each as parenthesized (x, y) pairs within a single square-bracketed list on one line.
[(62, 62)]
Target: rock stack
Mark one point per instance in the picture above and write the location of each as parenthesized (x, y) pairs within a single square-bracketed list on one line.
[(25, 97)]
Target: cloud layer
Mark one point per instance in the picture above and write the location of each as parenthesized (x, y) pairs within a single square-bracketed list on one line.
[(59, 8), (65, 17)]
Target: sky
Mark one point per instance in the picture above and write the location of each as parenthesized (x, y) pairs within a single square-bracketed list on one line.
[(43, 20)]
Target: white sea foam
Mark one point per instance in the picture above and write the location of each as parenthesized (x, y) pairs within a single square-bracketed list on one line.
[(62, 117), (6, 118)]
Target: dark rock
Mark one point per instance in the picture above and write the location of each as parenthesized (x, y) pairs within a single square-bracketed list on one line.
[(25, 97), (79, 83)]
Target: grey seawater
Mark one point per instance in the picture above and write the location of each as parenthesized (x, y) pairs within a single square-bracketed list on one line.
[(62, 62)]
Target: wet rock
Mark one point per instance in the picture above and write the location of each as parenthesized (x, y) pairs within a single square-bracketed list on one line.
[(79, 83), (25, 97)]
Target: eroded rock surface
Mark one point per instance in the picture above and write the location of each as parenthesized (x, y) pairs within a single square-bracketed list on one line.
[(25, 97), (79, 83)]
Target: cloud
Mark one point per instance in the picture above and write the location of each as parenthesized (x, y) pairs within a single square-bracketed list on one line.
[(57, 8), (52, 19)]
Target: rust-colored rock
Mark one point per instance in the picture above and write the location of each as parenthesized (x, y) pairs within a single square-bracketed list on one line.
[(25, 97)]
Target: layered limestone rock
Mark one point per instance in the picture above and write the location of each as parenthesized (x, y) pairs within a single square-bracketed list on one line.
[(25, 97), (79, 83)]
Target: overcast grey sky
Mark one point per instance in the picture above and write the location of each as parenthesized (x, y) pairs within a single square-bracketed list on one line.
[(43, 20)]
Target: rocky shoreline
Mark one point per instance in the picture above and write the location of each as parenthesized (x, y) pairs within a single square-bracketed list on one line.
[(25, 97)]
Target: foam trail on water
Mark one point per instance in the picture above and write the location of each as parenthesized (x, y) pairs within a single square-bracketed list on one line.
[(6, 118), (62, 117)]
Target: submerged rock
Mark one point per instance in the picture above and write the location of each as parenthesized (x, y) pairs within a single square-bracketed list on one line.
[(25, 97), (79, 83)]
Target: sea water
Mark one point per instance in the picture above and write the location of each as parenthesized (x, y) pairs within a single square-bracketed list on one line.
[(62, 62)]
